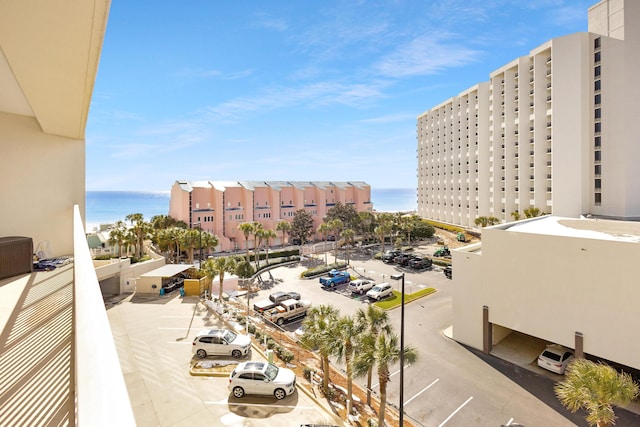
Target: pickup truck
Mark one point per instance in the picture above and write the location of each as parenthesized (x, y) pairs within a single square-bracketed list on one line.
[(287, 310), (336, 277), (263, 305)]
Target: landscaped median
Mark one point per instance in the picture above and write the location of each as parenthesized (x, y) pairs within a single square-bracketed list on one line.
[(395, 300)]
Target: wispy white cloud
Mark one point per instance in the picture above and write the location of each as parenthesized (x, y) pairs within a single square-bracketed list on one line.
[(391, 118), (311, 95), (264, 20), (424, 55)]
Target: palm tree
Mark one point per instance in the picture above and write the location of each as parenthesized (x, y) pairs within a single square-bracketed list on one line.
[(141, 230), (117, 236), (324, 230), (319, 333), (190, 240), (347, 240), (247, 230), (348, 329), (268, 235), (284, 227), (385, 351), (374, 322), (385, 223), (209, 241), (258, 233), (335, 226), (595, 387), (218, 267)]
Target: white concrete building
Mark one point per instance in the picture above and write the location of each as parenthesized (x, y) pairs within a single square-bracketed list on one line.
[(554, 129), (564, 280)]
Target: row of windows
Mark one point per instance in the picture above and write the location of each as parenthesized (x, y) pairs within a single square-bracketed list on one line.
[(597, 114), (205, 219)]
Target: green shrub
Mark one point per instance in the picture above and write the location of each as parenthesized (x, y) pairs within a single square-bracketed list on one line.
[(252, 329), (271, 343), (307, 372), (284, 354)]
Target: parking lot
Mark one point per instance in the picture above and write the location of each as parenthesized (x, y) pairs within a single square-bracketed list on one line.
[(449, 385), (154, 337)]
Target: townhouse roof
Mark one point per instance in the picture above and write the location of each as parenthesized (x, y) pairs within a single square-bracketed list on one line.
[(276, 185)]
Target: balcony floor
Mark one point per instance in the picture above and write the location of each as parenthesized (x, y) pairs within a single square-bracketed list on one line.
[(36, 349)]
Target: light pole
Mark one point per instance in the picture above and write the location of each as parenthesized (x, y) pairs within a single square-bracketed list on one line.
[(199, 224), (398, 277)]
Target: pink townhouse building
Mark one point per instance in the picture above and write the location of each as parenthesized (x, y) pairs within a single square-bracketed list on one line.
[(220, 206)]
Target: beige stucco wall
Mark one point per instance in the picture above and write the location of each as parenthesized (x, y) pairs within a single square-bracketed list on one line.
[(39, 204), (550, 287)]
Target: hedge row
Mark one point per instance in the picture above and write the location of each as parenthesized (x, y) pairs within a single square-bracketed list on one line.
[(322, 269)]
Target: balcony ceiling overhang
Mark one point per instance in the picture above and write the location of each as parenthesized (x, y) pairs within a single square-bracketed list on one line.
[(49, 54)]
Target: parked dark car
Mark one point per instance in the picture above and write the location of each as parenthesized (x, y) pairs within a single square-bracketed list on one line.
[(448, 271), (420, 263), (402, 259), (389, 255)]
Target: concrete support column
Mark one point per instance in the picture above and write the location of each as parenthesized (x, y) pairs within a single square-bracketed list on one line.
[(579, 345), (487, 331)]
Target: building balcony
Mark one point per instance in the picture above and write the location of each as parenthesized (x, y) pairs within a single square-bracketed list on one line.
[(60, 362)]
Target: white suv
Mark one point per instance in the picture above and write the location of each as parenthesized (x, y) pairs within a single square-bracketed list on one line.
[(220, 342), (380, 291), (262, 378), (360, 286)]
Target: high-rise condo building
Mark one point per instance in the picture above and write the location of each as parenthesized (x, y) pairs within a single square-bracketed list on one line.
[(555, 130)]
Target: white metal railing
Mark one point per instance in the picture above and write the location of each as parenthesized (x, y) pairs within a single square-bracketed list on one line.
[(100, 390)]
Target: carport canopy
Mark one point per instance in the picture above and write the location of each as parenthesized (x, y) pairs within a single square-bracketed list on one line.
[(168, 270)]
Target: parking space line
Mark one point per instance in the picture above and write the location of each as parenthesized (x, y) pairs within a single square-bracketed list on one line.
[(395, 373), (455, 412), (421, 391)]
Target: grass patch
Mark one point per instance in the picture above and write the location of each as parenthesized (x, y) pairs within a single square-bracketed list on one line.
[(395, 300)]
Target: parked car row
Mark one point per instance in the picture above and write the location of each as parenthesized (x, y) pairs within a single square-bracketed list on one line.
[(414, 261)]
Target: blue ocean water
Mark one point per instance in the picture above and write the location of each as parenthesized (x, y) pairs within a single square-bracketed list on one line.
[(107, 207)]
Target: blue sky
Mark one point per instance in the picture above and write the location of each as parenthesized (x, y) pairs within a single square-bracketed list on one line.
[(293, 90)]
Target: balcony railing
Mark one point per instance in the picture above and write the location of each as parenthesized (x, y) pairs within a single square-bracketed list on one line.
[(101, 396)]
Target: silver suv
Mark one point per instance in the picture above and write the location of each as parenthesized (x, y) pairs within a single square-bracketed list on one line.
[(261, 378), (380, 291), (220, 342)]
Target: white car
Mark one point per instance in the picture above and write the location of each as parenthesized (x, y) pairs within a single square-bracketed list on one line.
[(360, 286), (220, 342), (555, 358), (380, 291), (261, 378)]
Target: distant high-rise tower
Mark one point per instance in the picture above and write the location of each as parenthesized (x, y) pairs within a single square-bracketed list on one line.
[(557, 130)]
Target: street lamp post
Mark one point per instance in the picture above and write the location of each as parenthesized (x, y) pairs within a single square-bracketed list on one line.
[(401, 277)]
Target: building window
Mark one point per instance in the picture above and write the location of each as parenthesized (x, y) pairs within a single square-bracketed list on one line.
[(597, 113), (596, 57), (596, 85), (598, 199), (598, 184), (598, 156), (596, 71), (598, 127), (597, 170), (598, 141), (596, 43), (597, 99)]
